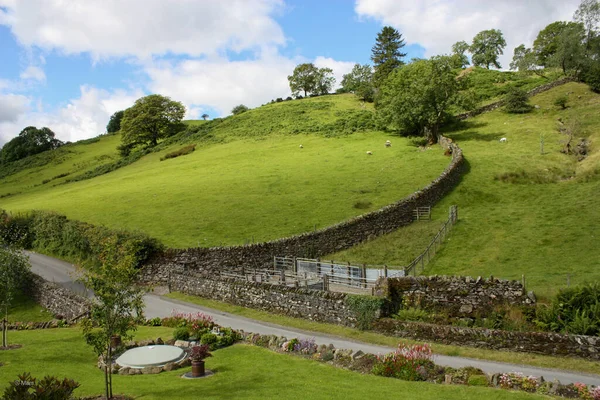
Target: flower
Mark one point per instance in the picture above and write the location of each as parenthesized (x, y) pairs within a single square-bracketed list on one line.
[(199, 353)]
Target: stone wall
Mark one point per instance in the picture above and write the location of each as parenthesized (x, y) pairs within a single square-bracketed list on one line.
[(314, 305), (530, 342), (458, 296), (313, 244), (58, 300)]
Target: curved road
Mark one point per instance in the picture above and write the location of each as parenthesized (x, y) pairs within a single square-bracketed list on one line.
[(64, 274)]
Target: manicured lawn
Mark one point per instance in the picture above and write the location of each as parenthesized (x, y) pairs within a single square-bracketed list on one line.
[(241, 372), (25, 309), (537, 360), (508, 228)]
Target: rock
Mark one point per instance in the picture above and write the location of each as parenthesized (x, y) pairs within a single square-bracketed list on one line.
[(531, 296), (448, 379), (182, 343), (537, 107), (130, 345), (135, 371), (466, 309), (169, 366), (146, 343), (151, 370), (124, 371), (357, 354), (159, 341)]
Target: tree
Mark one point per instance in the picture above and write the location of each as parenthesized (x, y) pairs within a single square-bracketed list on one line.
[(570, 51), (525, 60), (14, 270), (30, 141), (311, 80), (151, 118), (205, 116), (416, 98), (487, 46), (517, 101), (588, 14), (238, 109), (116, 306), (546, 42), (458, 52), (386, 54), (360, 81), (114, 124)]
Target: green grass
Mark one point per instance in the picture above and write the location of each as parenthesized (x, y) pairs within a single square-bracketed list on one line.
[(521, 225), (566, 363), (241, 371), (256, 184), (25, 309)]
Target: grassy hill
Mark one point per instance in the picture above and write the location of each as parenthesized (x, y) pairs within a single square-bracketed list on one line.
[(520, 212), (247, 180)]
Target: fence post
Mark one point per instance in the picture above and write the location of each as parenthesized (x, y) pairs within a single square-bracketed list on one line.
[(318, 266), (295, 267), (282, 277), (385, 273), (364, 275), (348, 274), (326, 282)]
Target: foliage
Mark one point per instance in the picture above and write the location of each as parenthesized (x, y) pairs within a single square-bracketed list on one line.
[(290, 345), (116, 306), (114, 124), (519, 381), (200, 353), (311, 80), (525, 60), (569, 53), (487, 46), (588, 15), (591, 76), (26, 387), (417, 98), (14, 270), (360, 82), (306, 346), (459, 50), (573, 310), (546, 42), (478, 380), (239, 109), (150, 119), (366, 308), (180, 152), (413, 314), (386, 54), (15, 229), (517, 101), (561, 102), (181, 333), (191, 320), (406, 363), (30, 141), (208, 339)]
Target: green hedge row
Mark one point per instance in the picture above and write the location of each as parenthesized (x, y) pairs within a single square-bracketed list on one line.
[(54, 233)]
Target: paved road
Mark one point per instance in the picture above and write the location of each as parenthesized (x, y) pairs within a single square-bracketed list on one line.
[(64, 274)]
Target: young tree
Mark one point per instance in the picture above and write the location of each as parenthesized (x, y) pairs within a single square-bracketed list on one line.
[(416, 98), (239, 109), (386, 54), (14, 270), (151, 118), (116, 306), (114, 124), (360, 81), (459, 50), (517, 101), (487, 46)]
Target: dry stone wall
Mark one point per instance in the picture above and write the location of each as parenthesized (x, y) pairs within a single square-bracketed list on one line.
[(313, 244), (58, 300), (531, 342)]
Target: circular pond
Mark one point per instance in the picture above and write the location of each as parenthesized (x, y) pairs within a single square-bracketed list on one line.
[(150, 356)]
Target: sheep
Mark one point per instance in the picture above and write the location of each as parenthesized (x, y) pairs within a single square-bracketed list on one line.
[(370, 153), (503, 140), (301, 146), (388, 143)]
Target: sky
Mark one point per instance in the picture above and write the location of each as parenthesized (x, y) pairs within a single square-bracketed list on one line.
[(70, 64)]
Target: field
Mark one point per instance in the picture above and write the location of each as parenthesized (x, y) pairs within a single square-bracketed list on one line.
[(240, 372), (520, 212), (250, 182)]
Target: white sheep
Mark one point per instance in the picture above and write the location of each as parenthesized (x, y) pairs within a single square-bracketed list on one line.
[(503, 140), (370, 153), (301, 146), (388, 143)]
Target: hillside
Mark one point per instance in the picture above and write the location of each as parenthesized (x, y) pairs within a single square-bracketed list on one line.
[(248, 179), (520, 212)]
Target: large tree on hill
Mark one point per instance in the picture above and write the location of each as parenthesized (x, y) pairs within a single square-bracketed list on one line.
[(30, 141), (386, 54), (459, 50), (525, 60), (570, 51), (487, 46), (546, 42), (588, 14), (359, 81), (416, 98), (309, 79), (151, 118), (114, 125)]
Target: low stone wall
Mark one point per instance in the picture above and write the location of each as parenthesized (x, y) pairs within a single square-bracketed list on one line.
[(458, 296), (313, 244), (530, 342), (314, 305), (58, 300)]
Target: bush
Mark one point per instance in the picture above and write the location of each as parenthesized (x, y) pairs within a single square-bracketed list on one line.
[(181, 333), (408, 362), (413, 314), (239, 109), (517, 101), (181, 152), (478, 380), (366, 308), (28, 387), (561, 102), (208, 338)]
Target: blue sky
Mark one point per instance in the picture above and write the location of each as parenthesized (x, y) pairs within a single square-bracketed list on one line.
[(70, 65)]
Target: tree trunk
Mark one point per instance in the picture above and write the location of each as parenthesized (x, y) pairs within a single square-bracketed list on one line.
[(110, 371), (5, 328)]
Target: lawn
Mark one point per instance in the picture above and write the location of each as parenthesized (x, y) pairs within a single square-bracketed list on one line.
[(255, 184), (542, 221), (24, 309), (241, 371)]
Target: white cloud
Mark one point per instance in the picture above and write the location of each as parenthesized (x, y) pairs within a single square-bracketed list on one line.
[(33, 73), (340, 68), (437, 24), (143, 27), (82, 118), (12, 106)]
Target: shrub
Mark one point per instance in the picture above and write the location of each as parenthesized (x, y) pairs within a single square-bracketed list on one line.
[(289, 345), (192, 320), (366, 308), (181, 333), (561, 102), (28, 387), (279, 100), (408, 362), (413, 314), (306, 346), (239, 109), (208, 338), (478, 380), (517, 102), (181, 152), (156, 321)]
